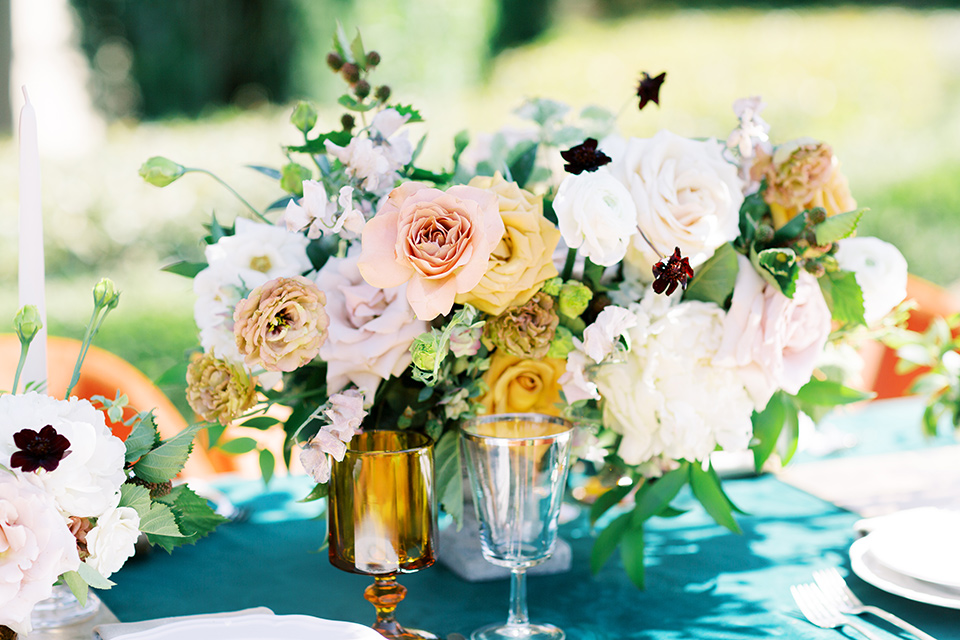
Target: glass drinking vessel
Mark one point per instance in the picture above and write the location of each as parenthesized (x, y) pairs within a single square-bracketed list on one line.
[(517, 465), (382, 517)]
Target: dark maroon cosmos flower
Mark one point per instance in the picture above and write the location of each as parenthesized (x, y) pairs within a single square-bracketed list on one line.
[(45, 449), (670, 272), (649, 88), (584, 157)]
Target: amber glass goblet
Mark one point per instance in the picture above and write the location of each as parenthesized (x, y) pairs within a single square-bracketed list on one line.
[(382, 517)]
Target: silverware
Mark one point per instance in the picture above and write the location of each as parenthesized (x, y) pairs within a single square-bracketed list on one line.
[(835, 588), (818, 610)]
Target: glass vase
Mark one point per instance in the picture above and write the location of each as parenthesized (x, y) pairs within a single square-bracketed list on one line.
[(62, 608)]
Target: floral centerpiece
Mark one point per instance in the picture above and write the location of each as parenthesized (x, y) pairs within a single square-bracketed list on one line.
[(74, 498), (673, 296)]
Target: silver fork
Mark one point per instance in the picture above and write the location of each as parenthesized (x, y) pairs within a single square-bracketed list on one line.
[(835, 588), (818, 610)]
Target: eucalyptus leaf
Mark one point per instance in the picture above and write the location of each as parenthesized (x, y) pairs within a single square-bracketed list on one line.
[(92, 577), (78, 586)]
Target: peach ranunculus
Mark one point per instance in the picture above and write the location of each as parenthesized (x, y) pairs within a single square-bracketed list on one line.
[(438, 242), (281, 325), (518, 385), (219, 390), (523, 260), (775, 341), (371, 329), (803, 174)]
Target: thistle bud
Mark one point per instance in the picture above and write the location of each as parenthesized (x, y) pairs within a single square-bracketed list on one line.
[(304, 116), (373, 59), (382, 93), (160, 171), (335, 61), (811, 237), (351, 72), (816, 215), (347, 121), (362, 89), (105, 294), (814, 267), (27, 323), (765, 233)]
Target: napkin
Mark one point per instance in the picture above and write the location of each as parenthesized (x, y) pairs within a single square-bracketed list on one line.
[(117, 630)]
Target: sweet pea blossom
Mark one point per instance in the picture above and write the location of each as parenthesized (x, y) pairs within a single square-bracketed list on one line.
[(345, 413), (881, 272), (318, 215), (376, 160), (603, 335)]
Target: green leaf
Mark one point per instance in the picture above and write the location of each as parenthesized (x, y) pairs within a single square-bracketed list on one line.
[(267, 171), (356, 49), (778, 267), (267, 465), (341, 43), (416, 173), (838, 227), (78, 586), (408, 110), (175, 375), (319, 491), (655, 495), (606, 543), (790, 231), (521, 162), (352, 104), (92, 577), (260, 422), (238, 446), (184, 268), (715, 278), (829, 393), (449, 475), (607, 500), (751, 213), (419, 149), (706, 488), (843, 296), (767, 425), (155, 517), (631, 552), (218, 231), (166, 461), (460, 142), (592, 273), (317, 145), (194, 516), (142, 438)]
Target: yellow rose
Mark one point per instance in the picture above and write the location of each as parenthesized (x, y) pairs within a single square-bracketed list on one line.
[(801, 175), (518, 385), (524, 258)]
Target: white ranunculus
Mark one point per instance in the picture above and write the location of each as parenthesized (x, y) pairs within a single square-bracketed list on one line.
[(87, 480), (596, 215), (881, 272), (686, 195), (36, 546), (113, 540), (774, 340), (370, 331), (668, 397)]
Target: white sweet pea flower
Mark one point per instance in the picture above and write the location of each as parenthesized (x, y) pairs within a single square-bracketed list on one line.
[(351, 220), (574, 381), (315, 213), (388, 121), (112, 541), (601, 338), (596, 214), (881, 272), (753, 130)]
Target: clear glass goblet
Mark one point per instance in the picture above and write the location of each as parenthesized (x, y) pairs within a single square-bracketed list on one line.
[(382, 517), (517, 465)]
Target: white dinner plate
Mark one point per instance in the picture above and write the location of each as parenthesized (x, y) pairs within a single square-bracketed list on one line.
[(257, 627), (871, 570), (922, 544)]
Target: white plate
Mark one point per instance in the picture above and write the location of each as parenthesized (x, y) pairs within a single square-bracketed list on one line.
[(921, 543), (257, 627), (871, 570)]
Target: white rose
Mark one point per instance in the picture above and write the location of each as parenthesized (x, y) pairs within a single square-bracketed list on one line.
[(112, 541), (88, 478), (370, 331), (596, 214), (668, 397), (774, 340), (881, 272), (36, 546), (686, 195)]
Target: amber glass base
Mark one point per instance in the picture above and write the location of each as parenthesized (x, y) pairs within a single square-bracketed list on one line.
[(385, 594), (6, 633)]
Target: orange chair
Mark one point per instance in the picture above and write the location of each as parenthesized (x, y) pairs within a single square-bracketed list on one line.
[(103, 374)]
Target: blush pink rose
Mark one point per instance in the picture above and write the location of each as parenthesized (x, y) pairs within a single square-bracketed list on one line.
[(438, 242), (774, 340)]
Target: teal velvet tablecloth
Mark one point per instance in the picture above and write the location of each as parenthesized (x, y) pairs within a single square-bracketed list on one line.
[(702, 581)]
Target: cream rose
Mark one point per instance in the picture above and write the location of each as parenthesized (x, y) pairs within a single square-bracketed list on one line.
[(517, 385), (370, 331), (881, 272), (686, 194), (523, 259), (774, 340), (281, 324), (112, 541), (596, 215), (438, 242)]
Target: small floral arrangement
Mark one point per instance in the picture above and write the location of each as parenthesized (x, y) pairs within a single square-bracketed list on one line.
[(74, 498), (673, 296)]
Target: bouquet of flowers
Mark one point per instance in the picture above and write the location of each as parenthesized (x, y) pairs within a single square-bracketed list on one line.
[(74, 498), (672, 296)]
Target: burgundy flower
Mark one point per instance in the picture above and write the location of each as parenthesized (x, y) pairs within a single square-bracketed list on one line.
[(649, 88), (45, 449), (584, 157), (670, 272)]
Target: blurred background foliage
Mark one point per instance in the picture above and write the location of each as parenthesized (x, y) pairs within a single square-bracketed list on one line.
[(210, 83)]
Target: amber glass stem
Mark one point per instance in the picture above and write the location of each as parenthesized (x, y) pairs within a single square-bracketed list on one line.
[(385, 594), (518, 598), (6, 633)]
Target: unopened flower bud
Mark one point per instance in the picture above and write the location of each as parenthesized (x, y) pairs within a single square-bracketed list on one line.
[(304, 116), (348, 122), (382, 93), (816, 215), (574, 298), (351, 72), (815, 267), (335, 61), (562, 344), (105, 294), (373, 59), (160, 171), (764, 233), (811, 237), (27, 323), (292, 176), (362, 89), (552, 286)]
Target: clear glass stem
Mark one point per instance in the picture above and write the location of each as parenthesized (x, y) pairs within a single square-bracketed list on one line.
[(518, 598)]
